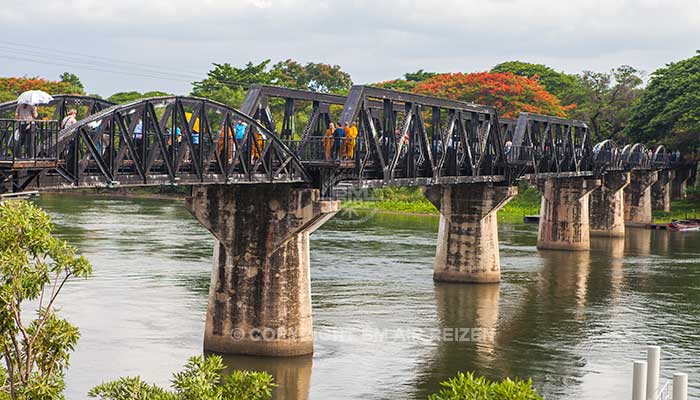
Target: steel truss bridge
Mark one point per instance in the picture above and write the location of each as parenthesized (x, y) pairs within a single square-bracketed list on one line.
[(404, 140)]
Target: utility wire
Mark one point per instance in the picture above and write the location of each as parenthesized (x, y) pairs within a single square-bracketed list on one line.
[(21, 50)]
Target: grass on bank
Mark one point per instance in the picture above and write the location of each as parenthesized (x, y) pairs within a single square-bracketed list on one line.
[(411, 200), (680, 209), (527, 202)]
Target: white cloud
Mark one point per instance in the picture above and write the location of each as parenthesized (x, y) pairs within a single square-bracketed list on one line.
[(372, 39)]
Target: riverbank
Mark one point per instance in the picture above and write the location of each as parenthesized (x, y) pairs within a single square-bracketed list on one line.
[(406, 200), (412, 201), (527, 202)]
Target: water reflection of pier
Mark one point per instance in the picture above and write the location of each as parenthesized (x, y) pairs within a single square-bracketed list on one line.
[(292, 375)]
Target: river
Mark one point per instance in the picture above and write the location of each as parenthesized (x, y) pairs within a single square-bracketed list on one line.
[(573, 322)]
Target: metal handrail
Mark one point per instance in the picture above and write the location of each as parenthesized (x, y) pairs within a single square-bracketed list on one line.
[(28, 140), (664, 392), (321, 148)]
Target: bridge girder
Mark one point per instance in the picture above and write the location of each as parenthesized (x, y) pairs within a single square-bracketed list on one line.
[(168, 140), (404, 139)]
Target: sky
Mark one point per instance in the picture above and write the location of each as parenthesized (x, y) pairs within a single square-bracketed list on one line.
[(165, 45)]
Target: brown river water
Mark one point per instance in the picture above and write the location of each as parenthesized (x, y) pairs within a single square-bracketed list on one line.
[(573, 322)]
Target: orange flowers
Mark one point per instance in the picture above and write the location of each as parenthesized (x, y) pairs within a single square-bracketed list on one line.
[(16, 86), (508, 93)]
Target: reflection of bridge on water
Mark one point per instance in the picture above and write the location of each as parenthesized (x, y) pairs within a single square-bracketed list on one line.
[(263, 194)]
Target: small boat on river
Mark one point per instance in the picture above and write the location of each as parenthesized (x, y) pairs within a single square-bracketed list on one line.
[(685, 225)]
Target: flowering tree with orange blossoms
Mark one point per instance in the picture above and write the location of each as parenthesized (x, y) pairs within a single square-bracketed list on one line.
[(510, 94), (10, 88)]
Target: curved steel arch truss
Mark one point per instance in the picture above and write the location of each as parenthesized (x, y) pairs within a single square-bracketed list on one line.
[(636, 156), (607, 156), (64, 102), (169, 140)]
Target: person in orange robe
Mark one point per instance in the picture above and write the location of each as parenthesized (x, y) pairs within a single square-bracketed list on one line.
[(351, 139), (328, 140)]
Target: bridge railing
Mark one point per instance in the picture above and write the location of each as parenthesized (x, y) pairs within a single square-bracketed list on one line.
[(321, 149), (520, 155), (28, 140)]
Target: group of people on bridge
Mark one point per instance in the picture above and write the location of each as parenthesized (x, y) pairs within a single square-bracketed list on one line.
[(339, 141)]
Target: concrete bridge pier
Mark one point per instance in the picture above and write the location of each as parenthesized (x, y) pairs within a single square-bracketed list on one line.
[(467, 245), (661, 191), (607, 215), (638, 197), (564, 217), (680, 183), (260, 295)]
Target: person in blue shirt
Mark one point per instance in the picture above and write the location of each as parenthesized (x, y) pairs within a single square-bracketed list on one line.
[(138, 135), (240, 129), (338, 139), (138, 130)]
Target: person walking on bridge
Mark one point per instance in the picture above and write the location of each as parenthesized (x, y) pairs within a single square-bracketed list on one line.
[(351, 137), (70, 119), (338, 139), (328, 140), (25, 114)]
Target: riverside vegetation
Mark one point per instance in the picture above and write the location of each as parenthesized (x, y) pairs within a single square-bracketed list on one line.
[(527, 202)]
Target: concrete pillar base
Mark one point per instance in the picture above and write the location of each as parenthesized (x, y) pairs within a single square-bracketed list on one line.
[(260, 296), (564, 213), (607, 215), (661, 191), (638, 197), (467, 246)]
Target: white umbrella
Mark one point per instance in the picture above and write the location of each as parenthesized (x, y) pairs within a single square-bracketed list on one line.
[(34, 97)]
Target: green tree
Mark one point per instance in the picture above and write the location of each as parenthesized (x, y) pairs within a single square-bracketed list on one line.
[(6, 96), (606, 100), (408, 82), (669, 110), (34, 266), (227, 84), (73, 80), (201, 379), (327, 78), (564, 86), (468, 387), (125, 97)]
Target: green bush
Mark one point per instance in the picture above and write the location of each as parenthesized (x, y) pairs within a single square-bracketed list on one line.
[(467, 387), (34, 267), (201, 379)]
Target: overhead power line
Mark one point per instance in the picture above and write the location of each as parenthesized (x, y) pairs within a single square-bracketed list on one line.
[(42, 55)]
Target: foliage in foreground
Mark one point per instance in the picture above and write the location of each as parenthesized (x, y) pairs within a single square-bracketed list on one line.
[(468, 387), (201, 379), (34, 265)]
